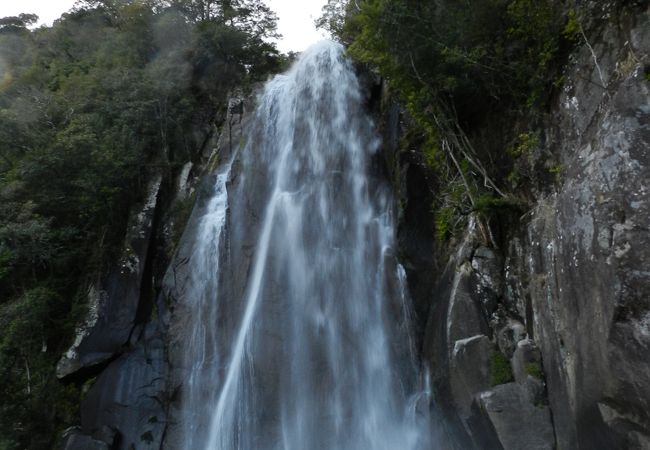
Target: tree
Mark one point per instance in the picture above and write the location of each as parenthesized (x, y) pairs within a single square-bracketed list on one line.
[(251, 16), (87, 107), (334, 14), (17, 24)]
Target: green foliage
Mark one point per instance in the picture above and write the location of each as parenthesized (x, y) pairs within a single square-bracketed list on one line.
[(6, 262), (445, 218), (88, 108), (459, 68), (334, 16), (534, 369), (536, 25), (31, 325), (449, 210), (488, 203), (526, 143), (497, 50), (500, 370), (525, 150), (572, 27), (17, 24)]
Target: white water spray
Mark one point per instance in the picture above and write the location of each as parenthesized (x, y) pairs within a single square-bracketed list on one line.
[(299, 332)]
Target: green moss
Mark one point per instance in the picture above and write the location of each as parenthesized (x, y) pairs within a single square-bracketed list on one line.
[(449, 211), (481, 69), (500, 370), (489, 203), (525, 144), (572, 26), (534, 369), (445, 218), (559, 82)]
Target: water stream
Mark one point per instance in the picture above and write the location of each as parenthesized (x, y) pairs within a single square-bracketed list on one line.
[(299, 332)]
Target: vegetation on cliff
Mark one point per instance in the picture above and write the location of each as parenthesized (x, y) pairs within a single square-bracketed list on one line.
[(117, 89), (88, 108), (473, 77)]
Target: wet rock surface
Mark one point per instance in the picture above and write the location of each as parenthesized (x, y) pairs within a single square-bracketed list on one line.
[(126, 406), (122, 348), (566, 299), (469, 373), (587, 249), (516, 421), (74, 439), (129, 397), (178, 279)]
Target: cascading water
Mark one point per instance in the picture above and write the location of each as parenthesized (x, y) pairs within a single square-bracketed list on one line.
[(296, 327)]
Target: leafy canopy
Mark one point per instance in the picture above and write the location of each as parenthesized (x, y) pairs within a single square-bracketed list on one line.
[(89, 108)]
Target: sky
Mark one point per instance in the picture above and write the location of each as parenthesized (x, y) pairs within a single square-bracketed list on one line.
[(296, 22)]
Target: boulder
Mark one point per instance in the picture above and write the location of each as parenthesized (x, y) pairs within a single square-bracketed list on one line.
[(129, 397), (509, 335), (469, 371), (488, 266), (464, 318), (515, 420), (74, 439), (526, 359)]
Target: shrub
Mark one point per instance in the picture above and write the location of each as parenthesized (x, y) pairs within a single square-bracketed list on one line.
[(534, 369), (500, 370)]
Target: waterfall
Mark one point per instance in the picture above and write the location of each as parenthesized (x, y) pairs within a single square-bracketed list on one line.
[(296, 328)]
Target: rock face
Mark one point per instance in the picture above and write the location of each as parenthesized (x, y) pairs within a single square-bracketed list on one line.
[(129, 396), (469, 371), (586, 249), (541, 344), (177, 286), (115, 301), (473, 345), (120, 342), (566, 300), (517, 422), (122, 346)]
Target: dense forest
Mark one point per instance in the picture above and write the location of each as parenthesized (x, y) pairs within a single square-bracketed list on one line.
[(115, 89), (467, 74), (88, 107)]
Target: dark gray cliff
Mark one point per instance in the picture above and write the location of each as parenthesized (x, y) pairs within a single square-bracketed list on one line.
[(585, 253), (121, 350), (177, 288), (566, 299), (565, 302)]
